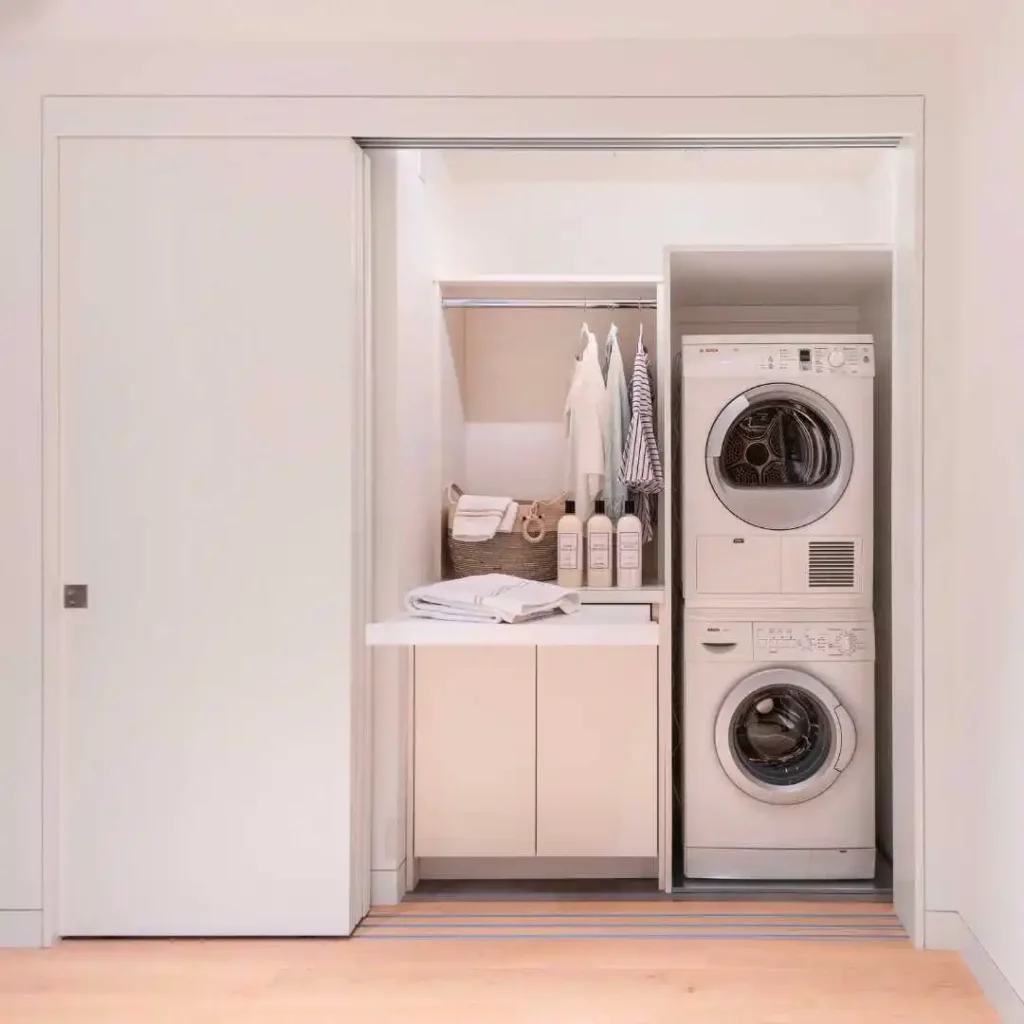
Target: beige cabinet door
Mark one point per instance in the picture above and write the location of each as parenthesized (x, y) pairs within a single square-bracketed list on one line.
[(475, 752), (597, 751)]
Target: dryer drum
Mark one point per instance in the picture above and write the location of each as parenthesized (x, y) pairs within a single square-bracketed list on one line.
[(780, 443)]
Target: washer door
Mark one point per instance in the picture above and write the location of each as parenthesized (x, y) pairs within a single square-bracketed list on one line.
[(779, 456), (783, 737)]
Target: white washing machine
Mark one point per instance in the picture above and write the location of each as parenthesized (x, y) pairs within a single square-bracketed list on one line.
[(778, 435), (779, 745)]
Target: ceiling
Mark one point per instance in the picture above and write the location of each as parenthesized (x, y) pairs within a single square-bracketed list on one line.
[(471, 20)]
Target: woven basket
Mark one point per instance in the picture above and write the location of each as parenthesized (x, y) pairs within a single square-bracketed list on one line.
[(529, 551)]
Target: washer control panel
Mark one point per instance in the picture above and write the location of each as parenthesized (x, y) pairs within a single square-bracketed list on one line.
[(813, 641)]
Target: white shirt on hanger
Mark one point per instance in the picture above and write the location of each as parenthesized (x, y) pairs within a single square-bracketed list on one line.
[(585, 415), (616, 425)]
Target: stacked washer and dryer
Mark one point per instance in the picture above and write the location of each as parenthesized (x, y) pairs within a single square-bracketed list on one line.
[(778, 646)]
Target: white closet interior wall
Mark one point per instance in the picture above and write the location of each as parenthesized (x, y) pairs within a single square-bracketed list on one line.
[(876, 319), (611, 214), (406, 457), (476, 396), (515, 372)]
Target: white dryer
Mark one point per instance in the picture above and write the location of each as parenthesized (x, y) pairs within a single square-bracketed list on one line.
[(778, 745), (778, 435)]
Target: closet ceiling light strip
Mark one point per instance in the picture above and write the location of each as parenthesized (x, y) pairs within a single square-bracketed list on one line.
[(750, 143), (549, 303)]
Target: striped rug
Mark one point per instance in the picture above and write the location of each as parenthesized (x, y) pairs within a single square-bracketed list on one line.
[(633, 920)]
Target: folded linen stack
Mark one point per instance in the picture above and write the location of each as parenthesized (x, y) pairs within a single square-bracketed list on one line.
[(479, 517), (492, 597)]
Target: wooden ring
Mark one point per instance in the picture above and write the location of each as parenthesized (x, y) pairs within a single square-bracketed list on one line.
[(528, 527)]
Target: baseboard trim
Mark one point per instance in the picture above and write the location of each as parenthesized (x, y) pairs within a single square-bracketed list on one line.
[(21, 929), (944, 929), (997, 988), (494, 869), (387, 887)]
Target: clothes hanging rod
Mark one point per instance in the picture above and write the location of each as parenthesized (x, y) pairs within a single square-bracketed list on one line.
[(549, 303)]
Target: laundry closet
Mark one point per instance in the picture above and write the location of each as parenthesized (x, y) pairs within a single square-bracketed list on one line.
[(264, 401), (555, 750)]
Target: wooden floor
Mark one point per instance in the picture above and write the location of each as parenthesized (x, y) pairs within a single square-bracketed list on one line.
[(586, 973)]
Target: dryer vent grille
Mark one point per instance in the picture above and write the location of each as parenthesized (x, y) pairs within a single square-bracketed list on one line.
[(832, 565)]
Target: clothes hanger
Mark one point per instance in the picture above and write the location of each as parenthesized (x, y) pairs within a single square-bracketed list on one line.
[(612, 339), (611, 342), (586, 334), (584, 339)]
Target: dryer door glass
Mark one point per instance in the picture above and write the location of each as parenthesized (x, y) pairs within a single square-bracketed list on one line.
[(779, 736), (779, 456)]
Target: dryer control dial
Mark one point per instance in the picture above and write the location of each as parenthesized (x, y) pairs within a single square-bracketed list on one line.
[(836, 358)]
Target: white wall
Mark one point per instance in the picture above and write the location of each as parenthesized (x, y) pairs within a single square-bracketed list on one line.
[(451, 325), (21, 641), (317, 20), (38, 63), (876, 319), (407, 467), (990, 505), (620, 228)]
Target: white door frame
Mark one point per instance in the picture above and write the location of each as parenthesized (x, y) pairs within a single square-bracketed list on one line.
[(807, 118)]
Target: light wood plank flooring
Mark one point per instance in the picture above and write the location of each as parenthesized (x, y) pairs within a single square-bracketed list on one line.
[(560, 978)]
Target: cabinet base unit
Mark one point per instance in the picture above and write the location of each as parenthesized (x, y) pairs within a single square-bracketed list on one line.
[(536, 762), (597, 752), (475, 752)]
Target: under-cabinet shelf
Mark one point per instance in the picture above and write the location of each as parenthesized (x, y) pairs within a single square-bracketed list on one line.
[(652, 594)]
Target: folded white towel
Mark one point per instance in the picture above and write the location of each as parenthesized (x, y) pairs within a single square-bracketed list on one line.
[(479, 517), (493, 597)]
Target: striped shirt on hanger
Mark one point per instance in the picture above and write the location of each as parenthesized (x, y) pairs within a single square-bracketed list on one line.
[(641, 461)]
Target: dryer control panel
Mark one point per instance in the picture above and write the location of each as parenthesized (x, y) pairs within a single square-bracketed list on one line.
[(842, 360), (787, 357), (814, 641)]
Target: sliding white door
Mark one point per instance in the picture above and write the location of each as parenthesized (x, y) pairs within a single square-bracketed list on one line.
[(208, 299)]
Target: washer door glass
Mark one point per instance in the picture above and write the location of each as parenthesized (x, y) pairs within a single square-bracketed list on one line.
[(779, 456), (779, 735)]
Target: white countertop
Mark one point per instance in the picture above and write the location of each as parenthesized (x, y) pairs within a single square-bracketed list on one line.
[(593, 625)]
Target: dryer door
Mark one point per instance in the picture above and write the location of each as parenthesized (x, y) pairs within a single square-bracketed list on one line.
[(783, 737), (779, 456)]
